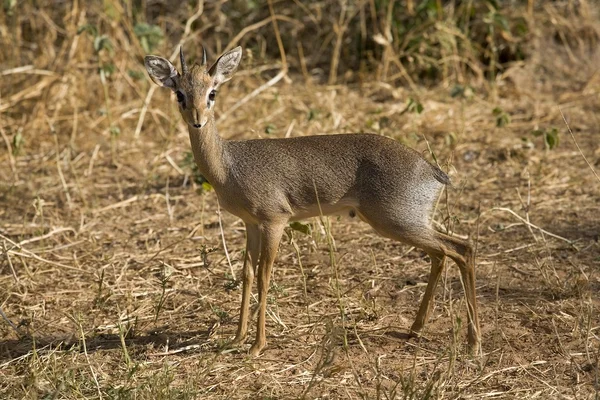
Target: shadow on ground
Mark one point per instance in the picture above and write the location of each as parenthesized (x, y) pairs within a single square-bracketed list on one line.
[(160, 341)]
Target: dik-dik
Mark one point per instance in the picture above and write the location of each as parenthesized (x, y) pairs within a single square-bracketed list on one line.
[(270, 182)]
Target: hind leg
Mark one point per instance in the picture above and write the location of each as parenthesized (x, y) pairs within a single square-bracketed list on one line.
[(437, 267), (462, 253), (438, 246)]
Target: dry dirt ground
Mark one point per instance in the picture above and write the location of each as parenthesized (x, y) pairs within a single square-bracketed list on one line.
[(114, 267)]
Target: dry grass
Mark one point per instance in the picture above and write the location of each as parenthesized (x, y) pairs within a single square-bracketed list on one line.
[(114, 272)]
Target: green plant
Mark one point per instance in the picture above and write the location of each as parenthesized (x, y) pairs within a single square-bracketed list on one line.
[(18, 142), (270, 128), (104, 50), (550, 137), (164, 278), (149, 36), (414, 106), (220, 313), (301, 227), (502, 118), (188, 163)]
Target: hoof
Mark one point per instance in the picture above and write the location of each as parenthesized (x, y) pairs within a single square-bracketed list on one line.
[(475, 349), (256, 349), (238, 340), (414, 333)]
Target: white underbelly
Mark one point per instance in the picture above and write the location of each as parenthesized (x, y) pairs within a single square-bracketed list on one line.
[(340, 208)]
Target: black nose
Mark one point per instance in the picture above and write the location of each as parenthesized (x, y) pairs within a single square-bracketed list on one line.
[(197, 126)]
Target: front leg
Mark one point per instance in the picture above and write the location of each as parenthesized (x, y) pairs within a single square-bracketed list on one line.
[(250, 263), (270, 236)]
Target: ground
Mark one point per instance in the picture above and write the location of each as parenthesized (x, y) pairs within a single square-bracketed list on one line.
[(115, 269)]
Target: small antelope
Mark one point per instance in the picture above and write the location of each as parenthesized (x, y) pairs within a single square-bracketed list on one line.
[(270, 182)]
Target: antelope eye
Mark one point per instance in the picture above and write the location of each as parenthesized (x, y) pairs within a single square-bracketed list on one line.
[(180, 97), (212, 95)]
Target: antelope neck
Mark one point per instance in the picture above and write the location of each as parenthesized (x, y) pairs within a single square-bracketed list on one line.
[(209, 152)]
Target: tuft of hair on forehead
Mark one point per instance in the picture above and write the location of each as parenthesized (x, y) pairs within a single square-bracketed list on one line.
[(198, 69), (196, 78)]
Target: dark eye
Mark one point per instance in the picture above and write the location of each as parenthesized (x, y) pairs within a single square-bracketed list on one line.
[(180, 97), (212, 95)]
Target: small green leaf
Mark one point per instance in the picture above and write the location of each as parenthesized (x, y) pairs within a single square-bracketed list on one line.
[(102, 43), (9, 6), (137, 75), (115, 130), (149, 36), (457, 91), (300, 227), (551, 138), (89, 28), (207, 187), (537, 132), (107, 69), (501, 21), (451, 139), (270, 129), (414, 106), (502, 118), (17, 143)]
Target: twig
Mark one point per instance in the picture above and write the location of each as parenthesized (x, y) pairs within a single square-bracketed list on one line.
[(290, 128), (527, 206), (176, 351), (168, 201), (116, 205), (184, 38), (27, 69), (523, 220), (278, 37), (28, 93), (256, 26), (272, 81), (46, 236), (10, 322), (339, 29), (60, 173), (88, 172), (525, 246), (138, 127), (252, 95), (174, 164), (11, 158), (223, 239), (10, 264), (28, 254), (577, 145), (87, 357)]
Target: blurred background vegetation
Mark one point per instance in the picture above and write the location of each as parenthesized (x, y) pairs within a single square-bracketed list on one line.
[(406, 42), (69, 56)]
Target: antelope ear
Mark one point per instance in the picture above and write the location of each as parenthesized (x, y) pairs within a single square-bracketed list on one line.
[(162, 72), (224, 68)]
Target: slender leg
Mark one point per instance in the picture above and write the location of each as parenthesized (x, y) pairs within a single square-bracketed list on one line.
[(437, 266), (250, 262), (269, 242), (462, 253), (467, 271), (439, 246)]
